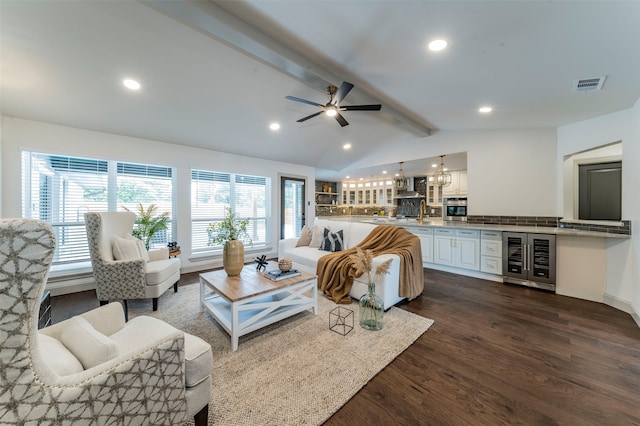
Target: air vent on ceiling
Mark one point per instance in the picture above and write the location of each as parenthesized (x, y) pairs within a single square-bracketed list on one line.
[(589, 84)]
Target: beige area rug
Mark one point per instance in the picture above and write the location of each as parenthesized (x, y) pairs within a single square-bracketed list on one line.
[(293, 372)]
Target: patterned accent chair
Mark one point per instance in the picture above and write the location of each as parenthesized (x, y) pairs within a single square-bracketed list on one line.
[(143, 372), (135, 276)]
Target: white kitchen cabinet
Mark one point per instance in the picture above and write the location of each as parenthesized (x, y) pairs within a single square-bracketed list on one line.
[(457, 247), (426, 242), (491, 252), (434, 193), (443, 246), (458, 184)]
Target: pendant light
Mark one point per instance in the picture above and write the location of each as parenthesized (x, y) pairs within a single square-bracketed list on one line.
[(442, 177), (400, 181)]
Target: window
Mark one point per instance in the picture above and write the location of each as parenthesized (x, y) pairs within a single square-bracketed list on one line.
[(213, 192), (59, 190)]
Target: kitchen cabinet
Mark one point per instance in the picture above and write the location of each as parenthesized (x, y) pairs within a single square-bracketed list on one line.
[(368, 193), (426, 242), (458, 183), (434, 193), (491, 252), (457, 247)]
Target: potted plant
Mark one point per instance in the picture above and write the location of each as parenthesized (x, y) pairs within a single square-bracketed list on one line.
[(230, 233), (148, 223)]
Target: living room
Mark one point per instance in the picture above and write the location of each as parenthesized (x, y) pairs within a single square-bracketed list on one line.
[(515, 169)]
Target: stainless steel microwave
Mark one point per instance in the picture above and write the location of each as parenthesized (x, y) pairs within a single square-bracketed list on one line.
[(454, 209)]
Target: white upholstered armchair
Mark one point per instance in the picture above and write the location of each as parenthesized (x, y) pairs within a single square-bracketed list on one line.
[(94, 369), (121, 268)]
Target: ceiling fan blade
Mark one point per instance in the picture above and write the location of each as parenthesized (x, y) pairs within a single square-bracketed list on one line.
[(304, 101), (342, 92), (341, 120), (361, 108), (309, 116)]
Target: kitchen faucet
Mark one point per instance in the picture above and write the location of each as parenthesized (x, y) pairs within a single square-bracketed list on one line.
[(423, 210)]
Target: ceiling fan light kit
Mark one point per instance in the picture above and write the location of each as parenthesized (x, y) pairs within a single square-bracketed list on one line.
[(333, 108)]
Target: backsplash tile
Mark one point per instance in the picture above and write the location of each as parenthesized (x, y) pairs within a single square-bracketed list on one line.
[(552, 222)]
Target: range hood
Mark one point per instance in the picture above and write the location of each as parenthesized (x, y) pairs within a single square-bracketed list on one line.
[(410, 192)]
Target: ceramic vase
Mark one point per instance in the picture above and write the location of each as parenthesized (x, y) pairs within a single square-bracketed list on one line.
[(233, 257), (371, 310)]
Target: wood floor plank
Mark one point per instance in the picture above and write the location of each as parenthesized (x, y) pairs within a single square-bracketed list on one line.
[(497, 355)]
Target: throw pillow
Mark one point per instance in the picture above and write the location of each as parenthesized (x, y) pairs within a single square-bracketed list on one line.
[(125, 249), (332, 242), (87, 344), (144, 254), (305, 237), (57, 356), (316, 238)]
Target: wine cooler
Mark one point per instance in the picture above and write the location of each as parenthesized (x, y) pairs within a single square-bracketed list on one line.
[(529, 259)]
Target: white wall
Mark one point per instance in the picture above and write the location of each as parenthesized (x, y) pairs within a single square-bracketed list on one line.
[(19, 135), (511, 172), (623, 262)]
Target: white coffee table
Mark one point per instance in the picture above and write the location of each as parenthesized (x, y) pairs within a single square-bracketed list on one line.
[(248, 302)]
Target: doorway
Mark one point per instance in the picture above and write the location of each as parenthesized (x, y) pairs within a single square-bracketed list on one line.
[(292, 203)]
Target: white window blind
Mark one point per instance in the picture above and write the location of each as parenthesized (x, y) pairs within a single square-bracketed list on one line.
[(212, 192), (59, 190)]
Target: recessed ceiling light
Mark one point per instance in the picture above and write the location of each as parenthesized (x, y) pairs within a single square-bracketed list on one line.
[(437, 45), (361, 178), (485, 109), (384, 172), (346, 146), (131, 84), (348, 177), (274, 126), (434, 165)]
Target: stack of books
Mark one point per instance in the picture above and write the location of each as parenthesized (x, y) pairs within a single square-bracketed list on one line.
[(277, 275)]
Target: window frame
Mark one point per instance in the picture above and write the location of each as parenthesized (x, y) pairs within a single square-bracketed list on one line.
[(111, 203)]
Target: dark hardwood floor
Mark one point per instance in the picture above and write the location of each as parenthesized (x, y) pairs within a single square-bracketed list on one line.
[(497, 354)]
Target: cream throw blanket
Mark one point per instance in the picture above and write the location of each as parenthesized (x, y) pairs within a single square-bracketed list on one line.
[(336, 270)]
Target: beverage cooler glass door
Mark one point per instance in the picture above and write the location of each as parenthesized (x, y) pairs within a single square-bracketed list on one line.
[(514, 264), (542, 255)]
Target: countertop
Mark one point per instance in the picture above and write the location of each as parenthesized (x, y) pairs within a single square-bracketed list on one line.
[(435, 223)]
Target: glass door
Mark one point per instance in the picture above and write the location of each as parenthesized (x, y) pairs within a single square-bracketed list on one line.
[(514, 264), (543, 258), (292, 212)]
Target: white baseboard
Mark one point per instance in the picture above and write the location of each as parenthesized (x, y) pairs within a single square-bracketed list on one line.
[(578, 294), (71, 285), (616, 302), (623, 305), (465, 272)]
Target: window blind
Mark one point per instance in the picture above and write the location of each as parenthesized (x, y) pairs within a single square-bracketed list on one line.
[(59, 190)]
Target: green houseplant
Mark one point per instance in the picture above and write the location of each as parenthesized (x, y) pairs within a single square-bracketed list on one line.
[(148, 223), (230, 233)]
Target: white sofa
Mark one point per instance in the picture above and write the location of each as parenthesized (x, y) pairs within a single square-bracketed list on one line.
[(305, 258)]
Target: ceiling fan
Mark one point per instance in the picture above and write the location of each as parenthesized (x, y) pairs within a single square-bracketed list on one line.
[(333, 107)]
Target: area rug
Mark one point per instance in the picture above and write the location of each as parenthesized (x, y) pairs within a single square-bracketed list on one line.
[(294, 372)]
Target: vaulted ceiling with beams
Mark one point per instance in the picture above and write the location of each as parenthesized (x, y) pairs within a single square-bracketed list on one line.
[(214, 74)]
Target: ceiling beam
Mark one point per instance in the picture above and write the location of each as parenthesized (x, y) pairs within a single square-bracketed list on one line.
[(218, 23)]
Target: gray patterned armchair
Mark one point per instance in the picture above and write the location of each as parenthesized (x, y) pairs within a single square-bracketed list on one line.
[(153, 373), (122, 274)]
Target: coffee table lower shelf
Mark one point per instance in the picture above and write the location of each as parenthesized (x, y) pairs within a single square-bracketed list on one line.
[(247, 315)]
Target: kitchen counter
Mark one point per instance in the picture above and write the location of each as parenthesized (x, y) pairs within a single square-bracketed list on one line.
[(436, 222)]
